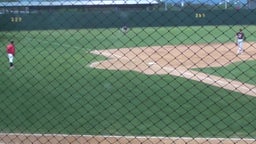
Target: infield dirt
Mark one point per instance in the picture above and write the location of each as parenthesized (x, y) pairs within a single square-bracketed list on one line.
[(179, 61)]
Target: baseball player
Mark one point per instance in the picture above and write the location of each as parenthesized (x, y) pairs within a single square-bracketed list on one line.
[(124, 29), (10, 49), (239, 38)]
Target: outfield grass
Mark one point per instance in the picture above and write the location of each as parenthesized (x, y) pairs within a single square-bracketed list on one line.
[(53, 90)]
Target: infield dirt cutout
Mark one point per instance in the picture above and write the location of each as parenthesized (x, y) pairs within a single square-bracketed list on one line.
[(179, 61), (174, 60)]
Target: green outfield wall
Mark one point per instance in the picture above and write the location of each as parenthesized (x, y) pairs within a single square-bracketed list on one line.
[(77, 20)]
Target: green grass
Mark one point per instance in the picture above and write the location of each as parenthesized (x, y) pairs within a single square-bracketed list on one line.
[(52, 89), (242, 71)]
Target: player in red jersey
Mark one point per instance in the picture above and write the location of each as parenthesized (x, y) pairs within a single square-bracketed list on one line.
[(10, 49)]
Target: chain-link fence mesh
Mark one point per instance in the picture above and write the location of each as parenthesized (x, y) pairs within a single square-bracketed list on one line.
[(127, 72)]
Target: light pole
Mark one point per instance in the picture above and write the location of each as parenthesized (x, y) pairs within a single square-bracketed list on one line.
[(226, 4), (182, 3)]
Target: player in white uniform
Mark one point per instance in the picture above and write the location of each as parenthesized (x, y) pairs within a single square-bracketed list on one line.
[(239, 38)]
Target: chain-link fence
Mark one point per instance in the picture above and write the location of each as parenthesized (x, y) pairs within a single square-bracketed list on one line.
[(127, 72)]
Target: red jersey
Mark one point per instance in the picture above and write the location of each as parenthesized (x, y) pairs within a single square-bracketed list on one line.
[(10, 49)]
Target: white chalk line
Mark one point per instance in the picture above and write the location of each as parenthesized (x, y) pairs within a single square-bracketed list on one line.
[(127, 137), (107, 54), (215, 80), (194, 75)]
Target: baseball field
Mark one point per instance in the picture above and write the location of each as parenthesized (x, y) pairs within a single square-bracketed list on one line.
[(154, 81)]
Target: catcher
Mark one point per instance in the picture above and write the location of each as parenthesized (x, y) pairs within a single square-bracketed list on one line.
[(239, 38)]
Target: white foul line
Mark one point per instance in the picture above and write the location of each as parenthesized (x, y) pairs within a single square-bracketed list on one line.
[(214, 80)]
